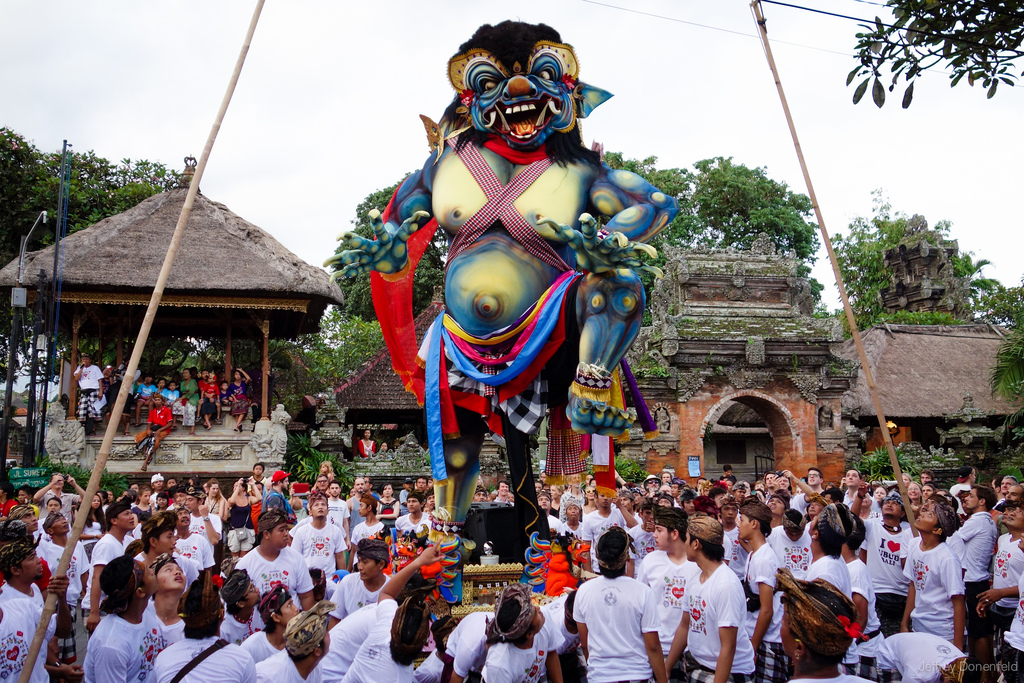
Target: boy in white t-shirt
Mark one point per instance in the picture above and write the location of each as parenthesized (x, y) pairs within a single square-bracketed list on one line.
[(607, 515), (337, 507), (666, 571), (924, 658), (191, 545), (321, 544), (762, 566), (713, 631), (886, 542), (273, 563), (862, 659), (416, 521), (643, 533), (362, 587), (792, 543), (617, 618), (828, 538), (935, 599), (523, 643)]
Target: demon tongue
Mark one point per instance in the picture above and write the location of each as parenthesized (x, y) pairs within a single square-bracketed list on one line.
[(523, 128)]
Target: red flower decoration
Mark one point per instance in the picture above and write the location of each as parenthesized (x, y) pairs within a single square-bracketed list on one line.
[(217, 581), (569, 81), (467, 96), (852, 628)]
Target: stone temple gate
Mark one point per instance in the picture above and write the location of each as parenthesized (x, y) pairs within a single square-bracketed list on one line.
[(736, 369)]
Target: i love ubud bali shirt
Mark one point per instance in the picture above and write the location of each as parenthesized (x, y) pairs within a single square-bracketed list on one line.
[(885, 553), (668, 581), (1015, 636), (16, 630), (1009, 564), (122, 651), (351, 595), (318, 547), (794, 555), (717, 603)]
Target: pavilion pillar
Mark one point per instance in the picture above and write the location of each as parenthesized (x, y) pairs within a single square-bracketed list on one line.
[(227, 354), (76, 325), (100, 346), (265, 328), (119, 341)]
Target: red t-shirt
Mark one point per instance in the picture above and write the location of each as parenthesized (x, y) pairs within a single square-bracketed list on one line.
[(160, 416), (5, 509)]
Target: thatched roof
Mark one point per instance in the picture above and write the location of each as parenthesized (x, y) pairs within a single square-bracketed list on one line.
[(221, 254), (925, 370), (375, 388)]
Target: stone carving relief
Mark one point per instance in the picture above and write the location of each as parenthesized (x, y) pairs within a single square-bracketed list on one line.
[(65, 439), (755, 351), (225, 452), (270, 443), (743, 377), (825, 419), (808, 385), (124, 452), (687, 384)]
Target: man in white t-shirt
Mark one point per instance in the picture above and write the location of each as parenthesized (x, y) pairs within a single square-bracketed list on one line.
[(121, 521), (596, 523), (713, 631), (921, 658), (523, 643), (273, 563), (415, 521), (851, 482), (240, 597), (861, 657), (321, 545), (966, 477), (792, 543), (617, 618), (764, 623), (362, 587), (828, 537), (666, 572), (935, 598), (886, 542), (642, 534), (202, 522), (812, 485), (90, 391), (736, 554), (337, 508), (1002, 599), (18, 622), (77, 573), (194, 546), (399, 633), (306, 642)]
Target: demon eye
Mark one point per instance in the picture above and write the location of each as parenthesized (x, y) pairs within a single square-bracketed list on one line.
[(547, 74), (488, 85)]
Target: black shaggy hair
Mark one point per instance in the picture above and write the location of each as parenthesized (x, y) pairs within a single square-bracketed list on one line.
[(511, 42)]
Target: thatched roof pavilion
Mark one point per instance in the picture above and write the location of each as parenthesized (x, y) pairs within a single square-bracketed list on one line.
[(229, 277)]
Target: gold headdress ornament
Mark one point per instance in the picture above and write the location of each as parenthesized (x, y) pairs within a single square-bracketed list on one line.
[(306, 631)]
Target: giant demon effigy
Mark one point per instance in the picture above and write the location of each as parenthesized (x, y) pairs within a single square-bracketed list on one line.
[(542, 291)]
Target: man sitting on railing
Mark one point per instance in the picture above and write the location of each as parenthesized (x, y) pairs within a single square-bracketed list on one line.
[(161, 421)]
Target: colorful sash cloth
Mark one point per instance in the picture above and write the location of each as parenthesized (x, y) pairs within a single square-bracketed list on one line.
[(530, 351)]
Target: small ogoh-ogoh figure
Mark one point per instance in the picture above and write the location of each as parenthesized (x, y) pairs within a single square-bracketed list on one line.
[(542, 301)]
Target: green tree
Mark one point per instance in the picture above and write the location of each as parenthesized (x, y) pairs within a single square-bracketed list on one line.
[(1007, 375), (1002, 305), (429, 273), (979, 40)]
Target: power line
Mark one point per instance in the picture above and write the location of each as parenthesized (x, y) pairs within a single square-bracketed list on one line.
[(713, 28)]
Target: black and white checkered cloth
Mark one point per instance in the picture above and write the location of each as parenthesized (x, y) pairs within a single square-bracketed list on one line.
[(67, 650), (868, 668), (771, 665), (87, 406), (700, 674), (525, 411)]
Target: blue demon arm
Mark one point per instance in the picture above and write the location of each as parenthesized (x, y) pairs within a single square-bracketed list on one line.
[(637, 209), (389, 252)]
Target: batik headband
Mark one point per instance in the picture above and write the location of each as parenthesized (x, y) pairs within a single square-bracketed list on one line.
[(306, 631), (199, 611), (271, 518), (623, 557), (519, 593), (753, 508), (14, 553), (118, 601), (670, 518), (706, 528), (272, 602), (374, 549), (235, 587), (813, 622), (835, 523), (893, 497)]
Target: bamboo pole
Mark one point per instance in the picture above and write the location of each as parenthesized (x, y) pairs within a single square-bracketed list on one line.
[(140, 344), (755, 7)]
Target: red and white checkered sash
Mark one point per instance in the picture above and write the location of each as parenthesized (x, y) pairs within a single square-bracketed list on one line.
[(500, 206)]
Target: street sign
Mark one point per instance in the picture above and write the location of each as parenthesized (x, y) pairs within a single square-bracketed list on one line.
[(36, 477)]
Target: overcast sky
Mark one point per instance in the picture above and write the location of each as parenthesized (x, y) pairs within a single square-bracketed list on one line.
[(326, 108)]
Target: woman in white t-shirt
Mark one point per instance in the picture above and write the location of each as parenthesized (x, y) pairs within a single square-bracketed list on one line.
[(617, 618), (818, 626)]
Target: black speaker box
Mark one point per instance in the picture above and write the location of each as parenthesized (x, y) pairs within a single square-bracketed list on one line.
[(494, 523)]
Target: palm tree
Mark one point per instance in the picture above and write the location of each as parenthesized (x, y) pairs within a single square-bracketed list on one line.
[(1007, 375)]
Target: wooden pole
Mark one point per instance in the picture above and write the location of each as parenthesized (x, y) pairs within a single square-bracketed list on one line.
[(265, 329), (120, 341), (755, 7), (140, 344)]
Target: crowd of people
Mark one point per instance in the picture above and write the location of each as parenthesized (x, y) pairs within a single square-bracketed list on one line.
[(786, 579)]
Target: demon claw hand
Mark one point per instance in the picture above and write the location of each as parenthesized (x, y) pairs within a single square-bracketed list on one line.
[(597, 417), (597, 253), (389, 253)]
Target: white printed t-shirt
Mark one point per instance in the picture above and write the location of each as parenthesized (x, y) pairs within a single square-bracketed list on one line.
[(643, 544), (362, 531), (833, 570), (196, 548), (885, 552), (1015, 636), (717, 603), (228, 663), (373, 662), (404, 524), (105, 550), (51, 552), (762, 567), (258, 647), (197, 525), (594, 526), (468, 643), (346, 637), (319, 546), (351, 595), (919, 657), (288, 570), (507, 663), (668, 581), (16, 630), (794, 555), (122, 651), (1008, 567), (279, 668), (737, 554), (617, 613), (937, 576)]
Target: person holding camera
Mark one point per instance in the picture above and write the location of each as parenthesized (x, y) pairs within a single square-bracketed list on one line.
[(90, 392), (55, 489)]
